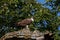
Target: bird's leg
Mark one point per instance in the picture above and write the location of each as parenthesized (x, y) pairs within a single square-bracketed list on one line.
[(27, 26)]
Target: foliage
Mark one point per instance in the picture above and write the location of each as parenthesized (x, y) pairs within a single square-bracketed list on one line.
[(55, 4), (12, 11)]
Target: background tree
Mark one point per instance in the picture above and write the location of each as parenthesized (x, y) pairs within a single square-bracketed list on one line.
[(55, 5), (12, 11)]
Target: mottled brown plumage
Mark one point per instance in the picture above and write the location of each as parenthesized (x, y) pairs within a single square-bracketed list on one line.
[(25, 22)]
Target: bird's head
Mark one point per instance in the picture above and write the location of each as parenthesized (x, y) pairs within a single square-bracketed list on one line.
[(32, 18)]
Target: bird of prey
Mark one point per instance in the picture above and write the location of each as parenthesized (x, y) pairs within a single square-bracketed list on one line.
[(25, 22)]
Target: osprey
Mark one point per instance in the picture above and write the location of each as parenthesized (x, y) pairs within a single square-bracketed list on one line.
[(25, 22)]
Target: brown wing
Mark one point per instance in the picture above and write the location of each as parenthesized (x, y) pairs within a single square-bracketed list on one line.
[(24, 22)]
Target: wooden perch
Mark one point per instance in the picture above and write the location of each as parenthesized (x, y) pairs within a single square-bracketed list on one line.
[(24, 33), (27, 34)]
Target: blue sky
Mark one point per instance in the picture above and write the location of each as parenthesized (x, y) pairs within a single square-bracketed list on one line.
[(59, 28), (58, 14), (41, 1)]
